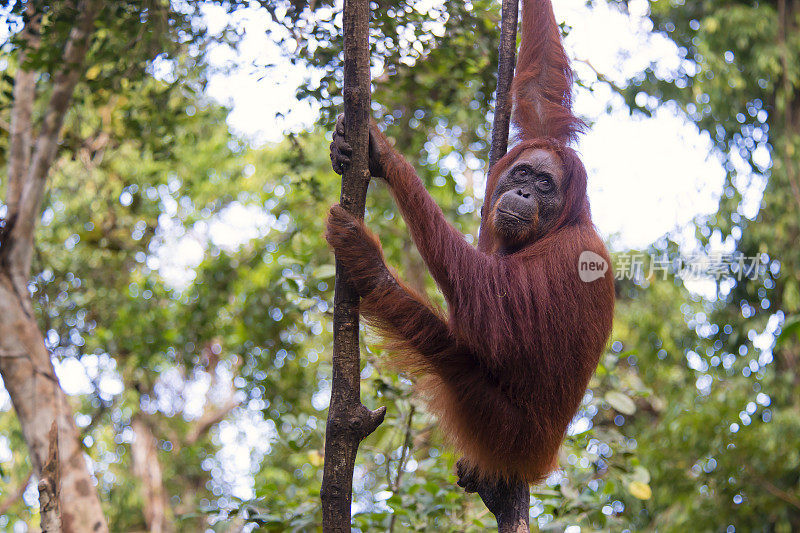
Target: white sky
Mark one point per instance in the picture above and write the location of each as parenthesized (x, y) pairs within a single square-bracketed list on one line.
[(647, 176)]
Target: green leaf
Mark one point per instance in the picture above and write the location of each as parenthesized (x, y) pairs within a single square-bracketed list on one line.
[(621, 402), (640, 490)]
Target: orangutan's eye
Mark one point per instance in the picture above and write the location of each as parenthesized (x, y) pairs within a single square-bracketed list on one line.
[(545, 185)]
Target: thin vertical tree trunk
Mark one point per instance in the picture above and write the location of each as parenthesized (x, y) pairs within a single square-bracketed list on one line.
[(507, 53), (147, 467), (509, 502), (348, 420)]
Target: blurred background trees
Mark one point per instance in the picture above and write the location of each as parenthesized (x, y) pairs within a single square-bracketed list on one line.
[(182, 285)]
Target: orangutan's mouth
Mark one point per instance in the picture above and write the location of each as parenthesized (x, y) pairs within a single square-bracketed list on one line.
[(513, 215)]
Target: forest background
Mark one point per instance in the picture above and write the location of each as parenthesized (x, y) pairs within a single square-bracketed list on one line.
[(180, 286)]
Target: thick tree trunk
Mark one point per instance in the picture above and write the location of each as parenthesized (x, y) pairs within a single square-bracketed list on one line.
[(25, 364), (31, 383), (349, 421)]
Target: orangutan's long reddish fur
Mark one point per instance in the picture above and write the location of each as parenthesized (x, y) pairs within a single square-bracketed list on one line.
[(506, 370)]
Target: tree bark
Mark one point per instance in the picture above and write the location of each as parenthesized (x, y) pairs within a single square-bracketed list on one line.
[(25, 364), (147, 468), (510, 504), (29, 378), (49, 487), (507, 52), (348, 420)]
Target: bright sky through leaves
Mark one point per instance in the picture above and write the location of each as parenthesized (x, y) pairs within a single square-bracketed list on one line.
[(661, 169)]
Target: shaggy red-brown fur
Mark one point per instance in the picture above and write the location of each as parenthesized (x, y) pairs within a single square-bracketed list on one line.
[(505, 371)]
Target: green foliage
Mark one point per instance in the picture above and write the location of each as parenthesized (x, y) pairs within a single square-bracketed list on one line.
[(721, 450), (689, 424)]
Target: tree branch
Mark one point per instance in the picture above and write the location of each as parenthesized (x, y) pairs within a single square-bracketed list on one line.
[(508, 500), (394, 487), (602, 77), (147, 468), (209, 420), (505, 74), (19, 242), (776, 491), (13, 497), (349, 421), (21, 126)]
